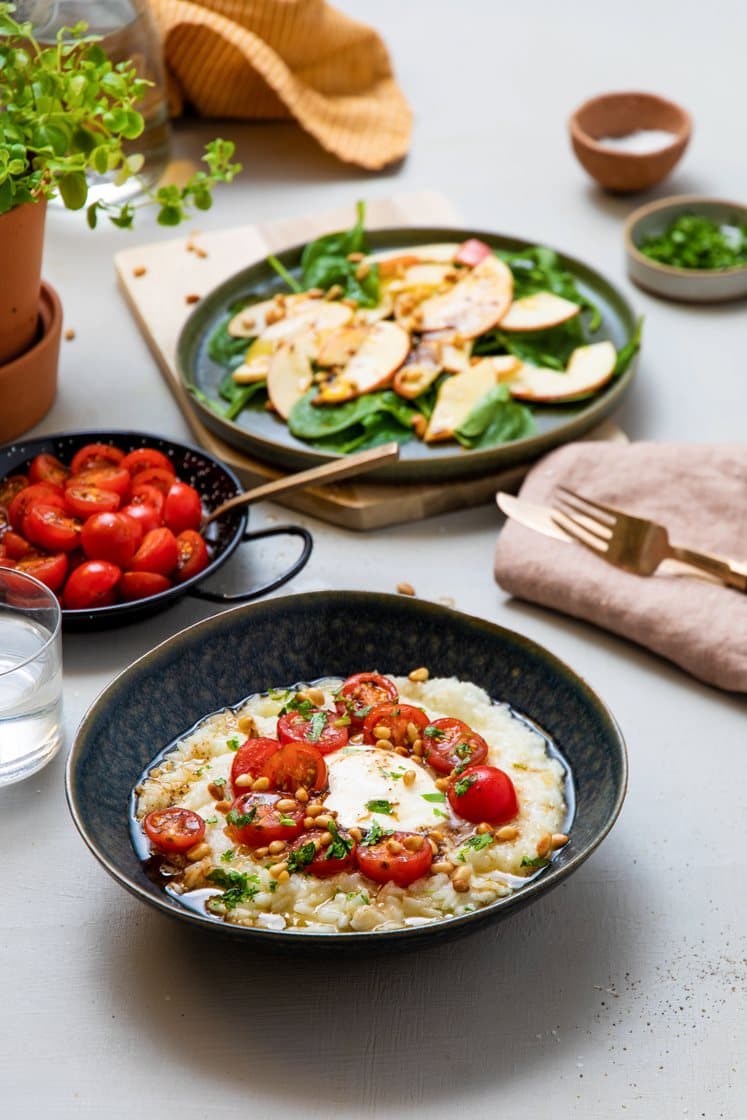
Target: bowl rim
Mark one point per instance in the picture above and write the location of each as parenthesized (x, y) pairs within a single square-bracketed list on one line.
[(672, 201), (259, 935), (579, 133)]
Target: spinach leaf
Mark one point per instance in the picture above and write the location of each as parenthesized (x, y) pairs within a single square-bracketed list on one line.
[(550, 348), (539, 270), (496, 418), (240, 396), (224, 349), (325, 263), (627, 352), (307, 421)]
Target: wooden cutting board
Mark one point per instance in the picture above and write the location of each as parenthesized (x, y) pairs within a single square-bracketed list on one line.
[(163, 281)]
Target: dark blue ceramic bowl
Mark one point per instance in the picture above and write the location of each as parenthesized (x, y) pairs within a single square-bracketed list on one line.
[(302, 637), (215, 484)]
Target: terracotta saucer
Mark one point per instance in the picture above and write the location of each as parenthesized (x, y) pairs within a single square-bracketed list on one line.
[(28, 383)]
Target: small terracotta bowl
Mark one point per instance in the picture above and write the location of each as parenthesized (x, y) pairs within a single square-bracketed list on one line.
[(617, 114), (28, 383)]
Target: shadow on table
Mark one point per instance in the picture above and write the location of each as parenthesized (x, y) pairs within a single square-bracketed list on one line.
[(353, 1032)]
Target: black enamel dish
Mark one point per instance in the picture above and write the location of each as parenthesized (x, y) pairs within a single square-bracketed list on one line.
[(218, 662), (266, 437), (214, 482)]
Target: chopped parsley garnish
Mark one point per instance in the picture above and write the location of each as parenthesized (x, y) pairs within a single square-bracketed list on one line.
[(228, 855), (233, 744), (461, 787), (434, 732), (237, 887), (463, 750), (343, 721), (219, 781), (278, 694), (316, 726), (303, 707), (380, 806), (477, 843), (537, 861), (211, 820), (374, 834), (433, 796), (273, 885), (301, 857), (439, 813), (340, 845), (519, 765), (239, 820), (287, 821), (358, 894), (395, 775)]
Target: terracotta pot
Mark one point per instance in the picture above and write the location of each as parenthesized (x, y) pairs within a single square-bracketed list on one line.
[(21, 243), (28, 383)]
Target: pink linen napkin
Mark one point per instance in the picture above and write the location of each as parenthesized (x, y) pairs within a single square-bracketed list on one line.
[(699, 492)]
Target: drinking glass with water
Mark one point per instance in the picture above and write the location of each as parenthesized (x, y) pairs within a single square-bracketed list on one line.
[(30, 676)]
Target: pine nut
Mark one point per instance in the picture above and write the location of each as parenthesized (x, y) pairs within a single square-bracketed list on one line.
[(355, 739), (198, 851), (409, 777), (260, 853), (314, 293), (436, 834), (323, 821), (356, 834), (405, 588), (444, 866), (313, 695), (194, 873), (419, 424), (354, 258), (155, 772), (140, 270), (247, 725), (381, 731), (383, 745), (284, 876), (421, 674), (402, 751), (278, 868), (325, 839), (243, 781), (261, 785), (276, 847), (417, 748), (442, 784), (544, 844), (412, 732), (461, 885), (286, 804), (334, 292), (315, 810), (394, 847), (508, 832), (483, 828), (362, 270), (558, 840), (414, 843), (302, 795), (223, 806), (434, 846), (308, 822), (217, 790)]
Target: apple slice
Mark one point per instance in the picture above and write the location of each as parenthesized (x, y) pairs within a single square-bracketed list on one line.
[(474, 304), (588, 369), (538, 312), (391, 261), (373, 365), (309, 315), (288, 377), (456, 399), (252, 320), (426, 275), (383, 309), (337, 347), (421, 369)]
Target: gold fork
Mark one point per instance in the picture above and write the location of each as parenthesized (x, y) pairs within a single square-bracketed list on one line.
[(633, 543)]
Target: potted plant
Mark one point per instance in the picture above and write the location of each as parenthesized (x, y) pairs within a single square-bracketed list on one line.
[(65, 110)]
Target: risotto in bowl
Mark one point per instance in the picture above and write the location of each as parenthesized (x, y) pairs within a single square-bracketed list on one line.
[(345, 768)]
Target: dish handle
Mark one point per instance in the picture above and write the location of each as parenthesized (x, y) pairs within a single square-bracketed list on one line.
[(254, 592)]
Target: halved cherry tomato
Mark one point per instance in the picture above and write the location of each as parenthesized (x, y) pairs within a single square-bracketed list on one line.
[(193, 555), (16, 546), (402, 868), (450, 744), (159, 477), (147, 516), (395, 717), (174, 829), (48, 527), (360, 693), (91, 584), (113, 478), (471, 252), (315, 726), (183, 509), (7, 561), (295, 765), (95, 455), (483, 793), (254, 820), (140, 585), (82, 500), (158, 552), (47, 468), (149, 496), (50, 570), (250, 759), (328, 860), (111, 536), (143, 458), (40, 492), (11, 486)]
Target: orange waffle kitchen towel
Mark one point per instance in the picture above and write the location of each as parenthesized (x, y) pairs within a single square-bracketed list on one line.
[(272, 59)]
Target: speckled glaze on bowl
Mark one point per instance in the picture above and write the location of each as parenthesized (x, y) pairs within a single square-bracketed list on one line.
[(691, 285), (218, 662), (215, 483)]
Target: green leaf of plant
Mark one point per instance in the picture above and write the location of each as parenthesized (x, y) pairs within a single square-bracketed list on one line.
[(73, 189)]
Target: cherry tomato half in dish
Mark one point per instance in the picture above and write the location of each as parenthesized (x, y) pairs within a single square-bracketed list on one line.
[(112, 478), (144, 458), (316, 727), (396, 719), (12, 486), (250, 759), (193, 555), (158, 477), (158, 552), (16, 546), (483, 793), (379, 863), (47, 468), (40, 492), (327, 860), (48, 527), (449, 743), (111, 536), (82, 500), (91, 584), (360, 693), (295, 765), (255, 820), (49, 570), (147, 516), (141, 585), (95, 455), (183, 509), (174, 829)]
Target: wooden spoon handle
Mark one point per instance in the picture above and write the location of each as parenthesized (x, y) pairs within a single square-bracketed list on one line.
[(339, 468)]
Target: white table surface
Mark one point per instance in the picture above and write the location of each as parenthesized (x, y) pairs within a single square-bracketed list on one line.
[(623, 992)]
